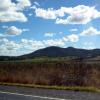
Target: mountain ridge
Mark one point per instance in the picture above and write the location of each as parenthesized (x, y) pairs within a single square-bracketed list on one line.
[(55, 51)]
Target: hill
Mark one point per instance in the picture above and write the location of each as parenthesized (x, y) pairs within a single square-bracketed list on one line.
[(54, 51)]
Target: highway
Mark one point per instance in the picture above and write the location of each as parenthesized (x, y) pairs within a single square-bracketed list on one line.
[(24, 93)]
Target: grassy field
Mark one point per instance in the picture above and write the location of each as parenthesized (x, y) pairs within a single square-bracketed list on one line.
[(61, 73)]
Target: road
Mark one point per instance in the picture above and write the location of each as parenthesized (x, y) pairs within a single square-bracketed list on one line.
[(23, 93)]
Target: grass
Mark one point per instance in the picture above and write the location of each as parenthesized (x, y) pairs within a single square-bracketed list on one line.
[(72, 88), (42, 59), (49, 72)]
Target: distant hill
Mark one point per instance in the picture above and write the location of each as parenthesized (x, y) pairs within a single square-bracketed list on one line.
[(54, 51)]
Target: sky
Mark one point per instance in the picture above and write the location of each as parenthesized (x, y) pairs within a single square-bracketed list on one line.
[(29, 25)]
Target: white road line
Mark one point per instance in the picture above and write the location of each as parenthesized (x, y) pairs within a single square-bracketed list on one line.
[(34, 96)]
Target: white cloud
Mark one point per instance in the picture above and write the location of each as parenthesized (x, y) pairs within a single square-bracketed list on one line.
[(36, 3), (90, 32), (4, 27), (11, 45), (54, 42), (12, 48), (2, 36), (22, 4), (73, 38), (30, 14), (65, 38), (4, 40), (73, 30), (88, 45), (80, 14), (61, 33), (9, 48), (12, 16), (46, 14), (50, 13), (31, 45), (10, 11), (12, 30), (25, 46), (33, 7), (62, 41), (49, 34)]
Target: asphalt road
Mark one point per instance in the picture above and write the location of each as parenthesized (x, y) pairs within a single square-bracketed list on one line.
[(23, 93)]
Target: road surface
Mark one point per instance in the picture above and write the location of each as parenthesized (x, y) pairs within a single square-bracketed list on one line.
[(23, 93)]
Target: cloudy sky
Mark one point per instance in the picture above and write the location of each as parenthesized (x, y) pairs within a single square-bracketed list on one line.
[(28, 25)]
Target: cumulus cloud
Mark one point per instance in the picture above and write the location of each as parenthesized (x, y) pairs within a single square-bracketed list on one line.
[(90, 32), (10, 11), (12, 48), (65, 38), (51, 13), (46, 14), (31, 45), (24, 46), (12, 30), (22, 4), (8, 48), (11, 45), (54, 42), (80, 14), (71, 38)]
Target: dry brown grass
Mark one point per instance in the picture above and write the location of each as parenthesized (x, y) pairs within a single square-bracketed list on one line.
[(51, 73)]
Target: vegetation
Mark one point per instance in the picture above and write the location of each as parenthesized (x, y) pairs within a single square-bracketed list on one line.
[(75, 88), (58, 73)]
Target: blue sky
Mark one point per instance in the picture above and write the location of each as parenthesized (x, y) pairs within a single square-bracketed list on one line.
[(28, 25)]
